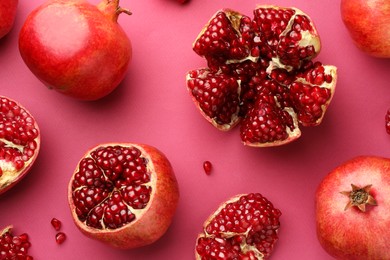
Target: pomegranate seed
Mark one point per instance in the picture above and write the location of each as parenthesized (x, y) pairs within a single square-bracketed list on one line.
[(60, 238), (207, 166), (387, 120), (56, 224)]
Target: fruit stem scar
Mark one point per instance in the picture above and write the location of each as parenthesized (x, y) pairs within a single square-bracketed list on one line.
[(359, 197)]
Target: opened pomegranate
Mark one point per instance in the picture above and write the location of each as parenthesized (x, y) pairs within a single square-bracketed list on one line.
[(14, 247), (19, 142), (261, 74), (7, 16), (123, 194), (76, 48), (352, 209), (243, 227)]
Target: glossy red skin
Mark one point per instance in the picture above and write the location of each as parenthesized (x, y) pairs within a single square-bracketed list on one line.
[(353, 234), (7, 16), (156, 217), (368, 23), (75, 48)]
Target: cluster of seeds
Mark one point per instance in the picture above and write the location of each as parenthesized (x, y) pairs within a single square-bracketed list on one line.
[(110, 186)]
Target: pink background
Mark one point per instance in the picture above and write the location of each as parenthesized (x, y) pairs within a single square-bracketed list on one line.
[(152, 106)]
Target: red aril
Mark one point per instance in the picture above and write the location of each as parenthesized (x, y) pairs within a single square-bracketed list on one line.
[(7, 16), (243, 227), (56, 224), (352, 209), (76, 48), (12, 246), (207, 167), (123, 194), (261, 74), (60, 238), (19, 142)]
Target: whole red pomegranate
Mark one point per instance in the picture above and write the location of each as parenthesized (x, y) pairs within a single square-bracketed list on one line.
[(261, 74), (352, 209), (19, 142), (76, 48), (368, 23), (243, 227), (14, 247), (7, 16), (123, 194)]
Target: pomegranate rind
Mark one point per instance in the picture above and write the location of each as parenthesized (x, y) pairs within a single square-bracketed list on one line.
[(77, 71), (153, 221), (350, 233), (244, 247), (7, 229), (10, 175)]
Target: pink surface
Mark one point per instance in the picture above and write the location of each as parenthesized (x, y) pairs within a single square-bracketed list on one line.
[(152, 106)]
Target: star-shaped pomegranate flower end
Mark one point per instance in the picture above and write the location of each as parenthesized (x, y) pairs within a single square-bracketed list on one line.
[(359, 197)]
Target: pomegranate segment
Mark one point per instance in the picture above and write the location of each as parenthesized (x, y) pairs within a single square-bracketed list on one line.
[(121, 192), (14, 247), (270, 57), (216, 95), (19, 142), (244, 227)]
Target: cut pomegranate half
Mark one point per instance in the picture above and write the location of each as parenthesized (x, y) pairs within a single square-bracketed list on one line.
[(123, 194), (19, 142), (261, 74), (14, 247), (243, 227)]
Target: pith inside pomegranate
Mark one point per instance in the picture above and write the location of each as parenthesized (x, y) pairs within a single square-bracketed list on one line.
[(244, 227), (76, 48), (14, 247), (123, 194), (261, 74), (352, 209), (19, 142)]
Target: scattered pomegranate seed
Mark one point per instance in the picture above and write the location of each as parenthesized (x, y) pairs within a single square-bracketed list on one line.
[(387, 119), (207, 166), (56, 224), (60, 238)]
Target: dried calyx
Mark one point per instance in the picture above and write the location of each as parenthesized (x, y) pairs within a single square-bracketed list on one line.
[(261, 74), (359, 197)]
